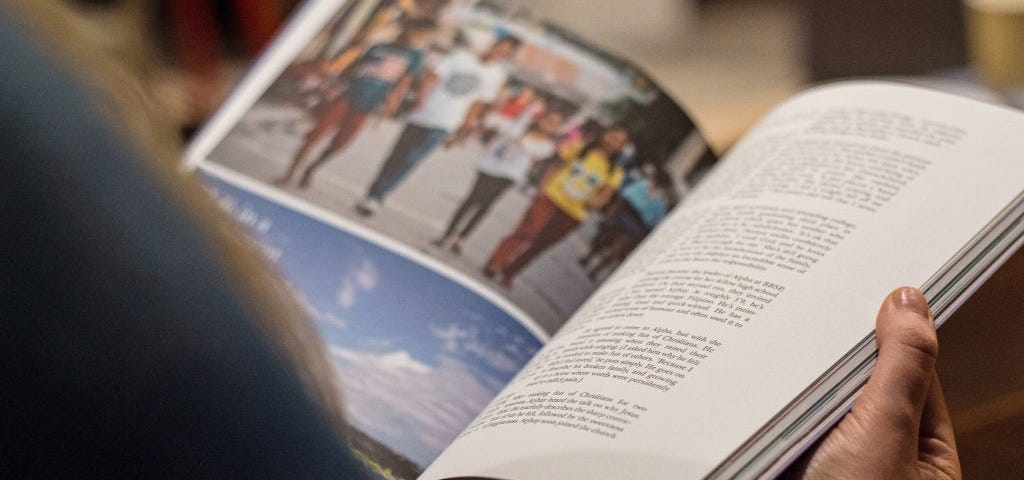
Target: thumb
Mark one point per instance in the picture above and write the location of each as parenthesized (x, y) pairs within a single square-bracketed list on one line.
[(893, 400)]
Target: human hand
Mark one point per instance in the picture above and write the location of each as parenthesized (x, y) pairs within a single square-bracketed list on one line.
[(899, 427)]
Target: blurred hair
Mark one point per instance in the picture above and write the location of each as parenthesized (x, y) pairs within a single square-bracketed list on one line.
[(121, 90), (534, 125), (595, 144), (662, 179), (512, 40), (419, 23)]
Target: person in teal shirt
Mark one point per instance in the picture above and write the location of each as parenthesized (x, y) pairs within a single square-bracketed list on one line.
[(377, 82)]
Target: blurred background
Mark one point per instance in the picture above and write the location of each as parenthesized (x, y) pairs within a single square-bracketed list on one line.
[(727, 62)]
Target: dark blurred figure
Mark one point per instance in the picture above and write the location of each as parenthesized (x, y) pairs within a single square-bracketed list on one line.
[(141, 337)]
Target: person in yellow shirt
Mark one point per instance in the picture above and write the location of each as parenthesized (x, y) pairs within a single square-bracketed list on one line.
[(583, 182)]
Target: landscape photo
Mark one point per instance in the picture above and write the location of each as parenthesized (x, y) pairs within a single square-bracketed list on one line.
[(418, 354)]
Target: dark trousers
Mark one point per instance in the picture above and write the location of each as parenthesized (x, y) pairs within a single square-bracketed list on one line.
[(543, 225), (485, 191), (413, 145), (622, 225), (345, 121)]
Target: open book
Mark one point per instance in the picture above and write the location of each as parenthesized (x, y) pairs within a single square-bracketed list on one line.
[(527, 263)]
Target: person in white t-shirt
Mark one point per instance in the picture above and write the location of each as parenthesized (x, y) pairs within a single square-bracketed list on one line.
[(459, 87), (506, 163)]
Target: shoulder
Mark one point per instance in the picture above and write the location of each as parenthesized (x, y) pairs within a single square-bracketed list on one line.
[(461, 56), (497, 72), (550, 146), (617, 175), (452, 60), (572, 148)]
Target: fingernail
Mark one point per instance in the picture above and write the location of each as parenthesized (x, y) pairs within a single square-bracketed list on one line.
[(911, 299)]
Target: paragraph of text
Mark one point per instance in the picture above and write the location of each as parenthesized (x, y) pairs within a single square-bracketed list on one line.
[(759, 237), (583, 411)]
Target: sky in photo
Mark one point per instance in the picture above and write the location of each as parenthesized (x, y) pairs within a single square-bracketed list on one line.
[(417, 353)]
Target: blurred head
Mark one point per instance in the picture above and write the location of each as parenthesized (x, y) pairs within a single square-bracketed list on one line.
[(648, 169), (662, 180), (418, 32), (121, 88), (503, 48), (428, 7), (550, 122), (527, 94), (613, 139)]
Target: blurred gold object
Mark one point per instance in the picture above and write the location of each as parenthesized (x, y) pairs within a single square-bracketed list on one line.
[(995, 31)]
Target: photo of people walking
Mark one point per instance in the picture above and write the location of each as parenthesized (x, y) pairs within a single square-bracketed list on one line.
[(380, 79), (501, 167), (454, 93), (585, 182), (505, 148)]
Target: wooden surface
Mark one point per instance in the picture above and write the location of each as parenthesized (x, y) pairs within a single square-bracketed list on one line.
[(981, 364)]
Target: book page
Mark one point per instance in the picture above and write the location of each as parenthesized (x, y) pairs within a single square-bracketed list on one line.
[(768, 275), (442, 184)]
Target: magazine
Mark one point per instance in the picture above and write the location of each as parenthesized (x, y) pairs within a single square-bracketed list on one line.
[(527, 263)]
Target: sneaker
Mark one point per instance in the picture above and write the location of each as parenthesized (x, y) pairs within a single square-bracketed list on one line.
[(368, 206), (456, 247)]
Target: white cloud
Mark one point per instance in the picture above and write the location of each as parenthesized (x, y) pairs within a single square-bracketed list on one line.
[(346, 294), (450, 335), (497, 359), (331, 319), (402, 360), (393, 361), (413, 407), (366, 275), (364, 278), (507, 357), (346, 354)]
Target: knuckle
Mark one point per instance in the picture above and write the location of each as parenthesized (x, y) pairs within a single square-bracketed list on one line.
[(919, 341), (894, 416)]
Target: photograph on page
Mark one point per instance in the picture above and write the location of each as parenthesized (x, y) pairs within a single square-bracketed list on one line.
[(417, 354), (501, 145)]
